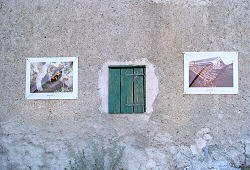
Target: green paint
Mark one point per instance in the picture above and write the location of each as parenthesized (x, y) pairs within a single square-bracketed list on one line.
[(138, 91), (144, 88), (125, 66), (127, 92), (114, 91)]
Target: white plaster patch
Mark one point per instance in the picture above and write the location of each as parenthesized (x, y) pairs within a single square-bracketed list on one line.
[(156, 155), (191, 2), (220, 116), (135, 158), (161, 1), (151, 164), (203, 137), (151, 83), (163, 138)]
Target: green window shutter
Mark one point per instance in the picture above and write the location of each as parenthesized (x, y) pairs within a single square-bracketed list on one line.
[(138, 90), (127, 89), (114, 90)]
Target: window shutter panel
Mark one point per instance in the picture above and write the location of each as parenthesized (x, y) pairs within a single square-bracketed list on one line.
[(126, 90), (114, 90), (139, 90)]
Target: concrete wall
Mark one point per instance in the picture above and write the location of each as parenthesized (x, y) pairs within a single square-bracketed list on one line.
[(41, 133)]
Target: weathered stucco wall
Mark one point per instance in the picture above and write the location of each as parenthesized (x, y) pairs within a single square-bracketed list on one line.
[(183, 131)]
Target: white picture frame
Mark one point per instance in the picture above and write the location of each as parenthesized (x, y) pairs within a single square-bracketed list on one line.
[(217, 72), (67, 73)]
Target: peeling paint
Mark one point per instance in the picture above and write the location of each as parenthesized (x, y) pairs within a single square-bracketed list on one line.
[(203, 137)]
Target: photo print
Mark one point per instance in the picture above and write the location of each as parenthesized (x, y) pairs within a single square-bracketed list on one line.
[(52, 78), (210, 73)]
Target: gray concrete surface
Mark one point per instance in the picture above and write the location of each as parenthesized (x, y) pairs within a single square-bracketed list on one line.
[(183, 131)]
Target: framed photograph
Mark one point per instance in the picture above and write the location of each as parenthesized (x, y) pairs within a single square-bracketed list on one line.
[(210, 73), (52, 78)]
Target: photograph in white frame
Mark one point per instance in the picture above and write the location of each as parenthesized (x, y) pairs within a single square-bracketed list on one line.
[(52, 78), (210, 72)]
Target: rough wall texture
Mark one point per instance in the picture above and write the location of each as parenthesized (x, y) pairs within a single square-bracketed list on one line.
[(183, 131)]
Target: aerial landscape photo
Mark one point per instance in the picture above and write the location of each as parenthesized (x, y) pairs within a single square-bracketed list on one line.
[(211, 72), (51, 77)]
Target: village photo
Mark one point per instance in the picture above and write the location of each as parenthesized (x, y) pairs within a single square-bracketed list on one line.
[(51, 78), (210, 73)]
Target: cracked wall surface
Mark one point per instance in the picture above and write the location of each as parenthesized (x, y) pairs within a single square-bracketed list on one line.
[(182, 131)]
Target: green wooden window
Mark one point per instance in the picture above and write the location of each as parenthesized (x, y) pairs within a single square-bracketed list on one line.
[(127, 89)]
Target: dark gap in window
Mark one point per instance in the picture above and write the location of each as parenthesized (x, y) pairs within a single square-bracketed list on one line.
[(143, 85), (120, 90), (133, 90)]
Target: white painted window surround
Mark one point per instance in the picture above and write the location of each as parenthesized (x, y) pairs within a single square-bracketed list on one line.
[(151, 83)]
